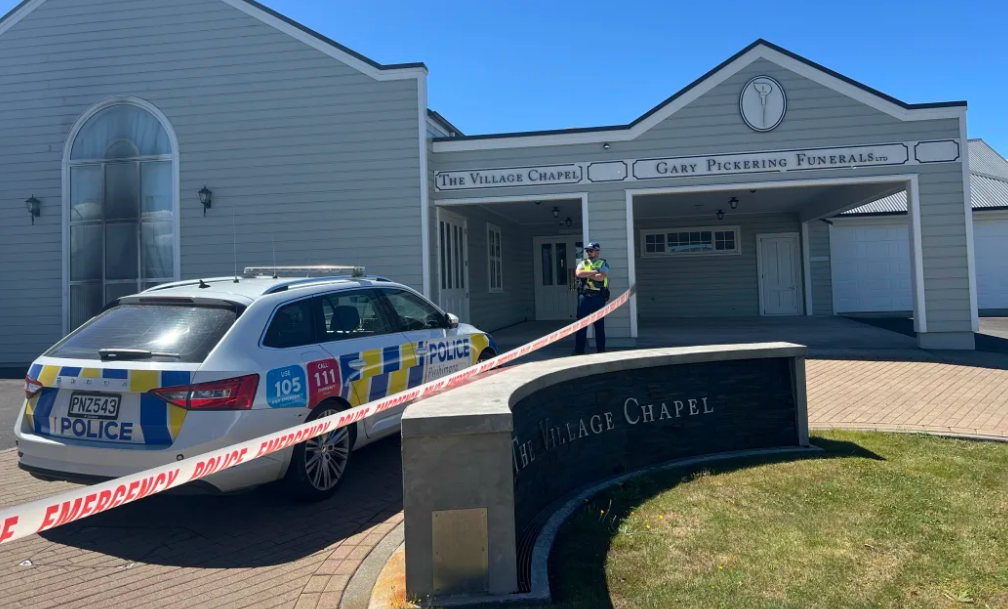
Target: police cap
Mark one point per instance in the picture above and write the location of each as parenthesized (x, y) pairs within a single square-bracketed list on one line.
[(593, 246)]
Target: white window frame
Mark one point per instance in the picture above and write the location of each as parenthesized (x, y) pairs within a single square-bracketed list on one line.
[(645, 232), (491, 258)]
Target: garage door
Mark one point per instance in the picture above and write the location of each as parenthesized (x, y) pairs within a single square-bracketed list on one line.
[(990, 243), (871, 266)]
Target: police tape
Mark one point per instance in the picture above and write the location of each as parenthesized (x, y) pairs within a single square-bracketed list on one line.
[(44, 514)]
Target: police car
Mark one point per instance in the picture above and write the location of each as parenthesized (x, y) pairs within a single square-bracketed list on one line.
[(192, 366)]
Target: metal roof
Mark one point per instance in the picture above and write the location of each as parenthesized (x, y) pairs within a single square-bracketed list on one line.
[(988, 184)]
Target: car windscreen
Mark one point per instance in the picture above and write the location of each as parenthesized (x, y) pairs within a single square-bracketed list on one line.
[(183, 333)]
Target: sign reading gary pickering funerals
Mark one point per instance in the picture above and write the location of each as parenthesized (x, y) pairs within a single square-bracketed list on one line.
[(802, 159)]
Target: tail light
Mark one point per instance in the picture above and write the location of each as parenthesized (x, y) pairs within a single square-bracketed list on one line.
[(31, 387), (228, 394)]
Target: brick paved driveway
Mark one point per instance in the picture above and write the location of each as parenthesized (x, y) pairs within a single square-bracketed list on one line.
[(250, 550), (921, 396), (255, 550)]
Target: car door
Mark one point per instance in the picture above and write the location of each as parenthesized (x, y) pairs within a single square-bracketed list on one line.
[(441, 350), (366, 360)]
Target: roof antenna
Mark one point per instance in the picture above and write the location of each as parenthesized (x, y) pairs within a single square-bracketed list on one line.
[(273, 242), (234, 246)]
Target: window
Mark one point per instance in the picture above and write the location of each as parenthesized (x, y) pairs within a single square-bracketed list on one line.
[(346, 315), (188, 331), (494, 259), (703, 241), (413, 312), (291, 326), (122, 208)]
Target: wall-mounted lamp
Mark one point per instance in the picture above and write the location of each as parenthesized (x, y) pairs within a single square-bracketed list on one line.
[(34, 207), (605, 146), (733, 202), (720, 215), (206, 198), (556, 212), (752, 191), (538, 202), (568, 222)]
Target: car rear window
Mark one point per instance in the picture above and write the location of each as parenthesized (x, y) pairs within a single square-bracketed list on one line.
[(188, 331)]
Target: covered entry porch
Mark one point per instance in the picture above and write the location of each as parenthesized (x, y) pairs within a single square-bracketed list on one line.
[(504, 261)]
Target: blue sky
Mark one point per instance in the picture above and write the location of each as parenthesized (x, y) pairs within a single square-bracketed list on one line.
[(515, 65)]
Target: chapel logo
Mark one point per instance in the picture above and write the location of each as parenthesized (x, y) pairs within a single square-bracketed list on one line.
[(762, 103)]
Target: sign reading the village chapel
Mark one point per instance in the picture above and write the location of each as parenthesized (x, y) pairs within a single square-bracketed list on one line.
[(572, 434), (515, 176)]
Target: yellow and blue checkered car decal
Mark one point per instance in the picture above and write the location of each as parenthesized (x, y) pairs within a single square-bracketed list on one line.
[(160, 422)]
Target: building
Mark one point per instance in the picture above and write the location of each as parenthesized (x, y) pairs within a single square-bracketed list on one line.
[(167, 139), (870, 248)]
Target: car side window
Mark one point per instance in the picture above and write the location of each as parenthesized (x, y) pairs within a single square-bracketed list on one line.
[(351, 314), (292, 326), (413, 312)]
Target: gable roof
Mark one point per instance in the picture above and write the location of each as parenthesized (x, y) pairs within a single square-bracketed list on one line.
[(759, 49), (988, 185), (281, 22), (443, 122)]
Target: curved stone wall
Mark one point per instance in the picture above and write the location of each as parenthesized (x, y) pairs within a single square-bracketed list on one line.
[(486, 464)]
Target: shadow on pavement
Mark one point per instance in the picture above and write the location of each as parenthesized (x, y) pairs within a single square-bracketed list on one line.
[(991, 341), (256, 528), (577, 563)]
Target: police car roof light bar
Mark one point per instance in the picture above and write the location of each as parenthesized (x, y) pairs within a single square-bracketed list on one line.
[(304, 271)]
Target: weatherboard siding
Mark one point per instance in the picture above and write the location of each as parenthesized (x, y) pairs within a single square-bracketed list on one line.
[(816, 117), (301, 151), (488, 310), (705, 286), (821, 271)]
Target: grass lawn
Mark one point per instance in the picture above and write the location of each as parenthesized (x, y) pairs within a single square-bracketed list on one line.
[(881, 520)]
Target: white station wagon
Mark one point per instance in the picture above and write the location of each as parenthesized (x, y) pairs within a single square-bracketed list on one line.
[(193, 366)]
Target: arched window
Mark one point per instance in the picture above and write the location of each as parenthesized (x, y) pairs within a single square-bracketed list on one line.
[(121, 170)]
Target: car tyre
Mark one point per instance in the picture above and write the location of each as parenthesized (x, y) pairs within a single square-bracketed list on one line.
[(318, 465), (484, 355)]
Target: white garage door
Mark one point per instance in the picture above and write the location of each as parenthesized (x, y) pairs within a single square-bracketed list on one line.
[(871, 265), (990, 244)]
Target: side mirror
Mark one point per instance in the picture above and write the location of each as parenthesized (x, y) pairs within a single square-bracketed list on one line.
[(452, 319)]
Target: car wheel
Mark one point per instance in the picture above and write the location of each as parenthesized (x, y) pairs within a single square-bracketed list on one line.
[(318, 465), (485, 355)]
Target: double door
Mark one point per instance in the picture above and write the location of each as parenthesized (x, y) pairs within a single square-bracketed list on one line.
[(554, 264)]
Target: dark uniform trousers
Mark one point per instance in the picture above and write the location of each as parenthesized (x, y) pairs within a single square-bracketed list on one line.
[(588, 304)]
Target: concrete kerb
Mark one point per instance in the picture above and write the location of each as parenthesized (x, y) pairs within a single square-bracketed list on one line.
[(948, 433), (359, 590)]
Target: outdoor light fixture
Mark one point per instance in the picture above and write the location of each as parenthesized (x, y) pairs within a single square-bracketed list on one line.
[(538, 202), (733, 202), (720, 215), (556, 212), (34, 207), (205, 197), (568, 222), (605, 146), (753, 191)]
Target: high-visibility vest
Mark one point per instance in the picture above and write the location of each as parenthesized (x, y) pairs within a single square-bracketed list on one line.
[(592, 284)]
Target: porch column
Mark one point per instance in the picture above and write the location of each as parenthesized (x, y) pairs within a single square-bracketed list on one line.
[(940, 218), (607, 224)]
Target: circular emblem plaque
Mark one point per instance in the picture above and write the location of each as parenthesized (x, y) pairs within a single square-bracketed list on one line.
[(762, 103)]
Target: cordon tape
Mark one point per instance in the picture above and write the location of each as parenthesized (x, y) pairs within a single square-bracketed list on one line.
[(44, 514)]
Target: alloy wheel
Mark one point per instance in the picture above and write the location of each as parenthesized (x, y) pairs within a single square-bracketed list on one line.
[(326, 456)]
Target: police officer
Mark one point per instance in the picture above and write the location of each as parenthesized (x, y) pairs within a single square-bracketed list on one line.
[(593, 292)]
